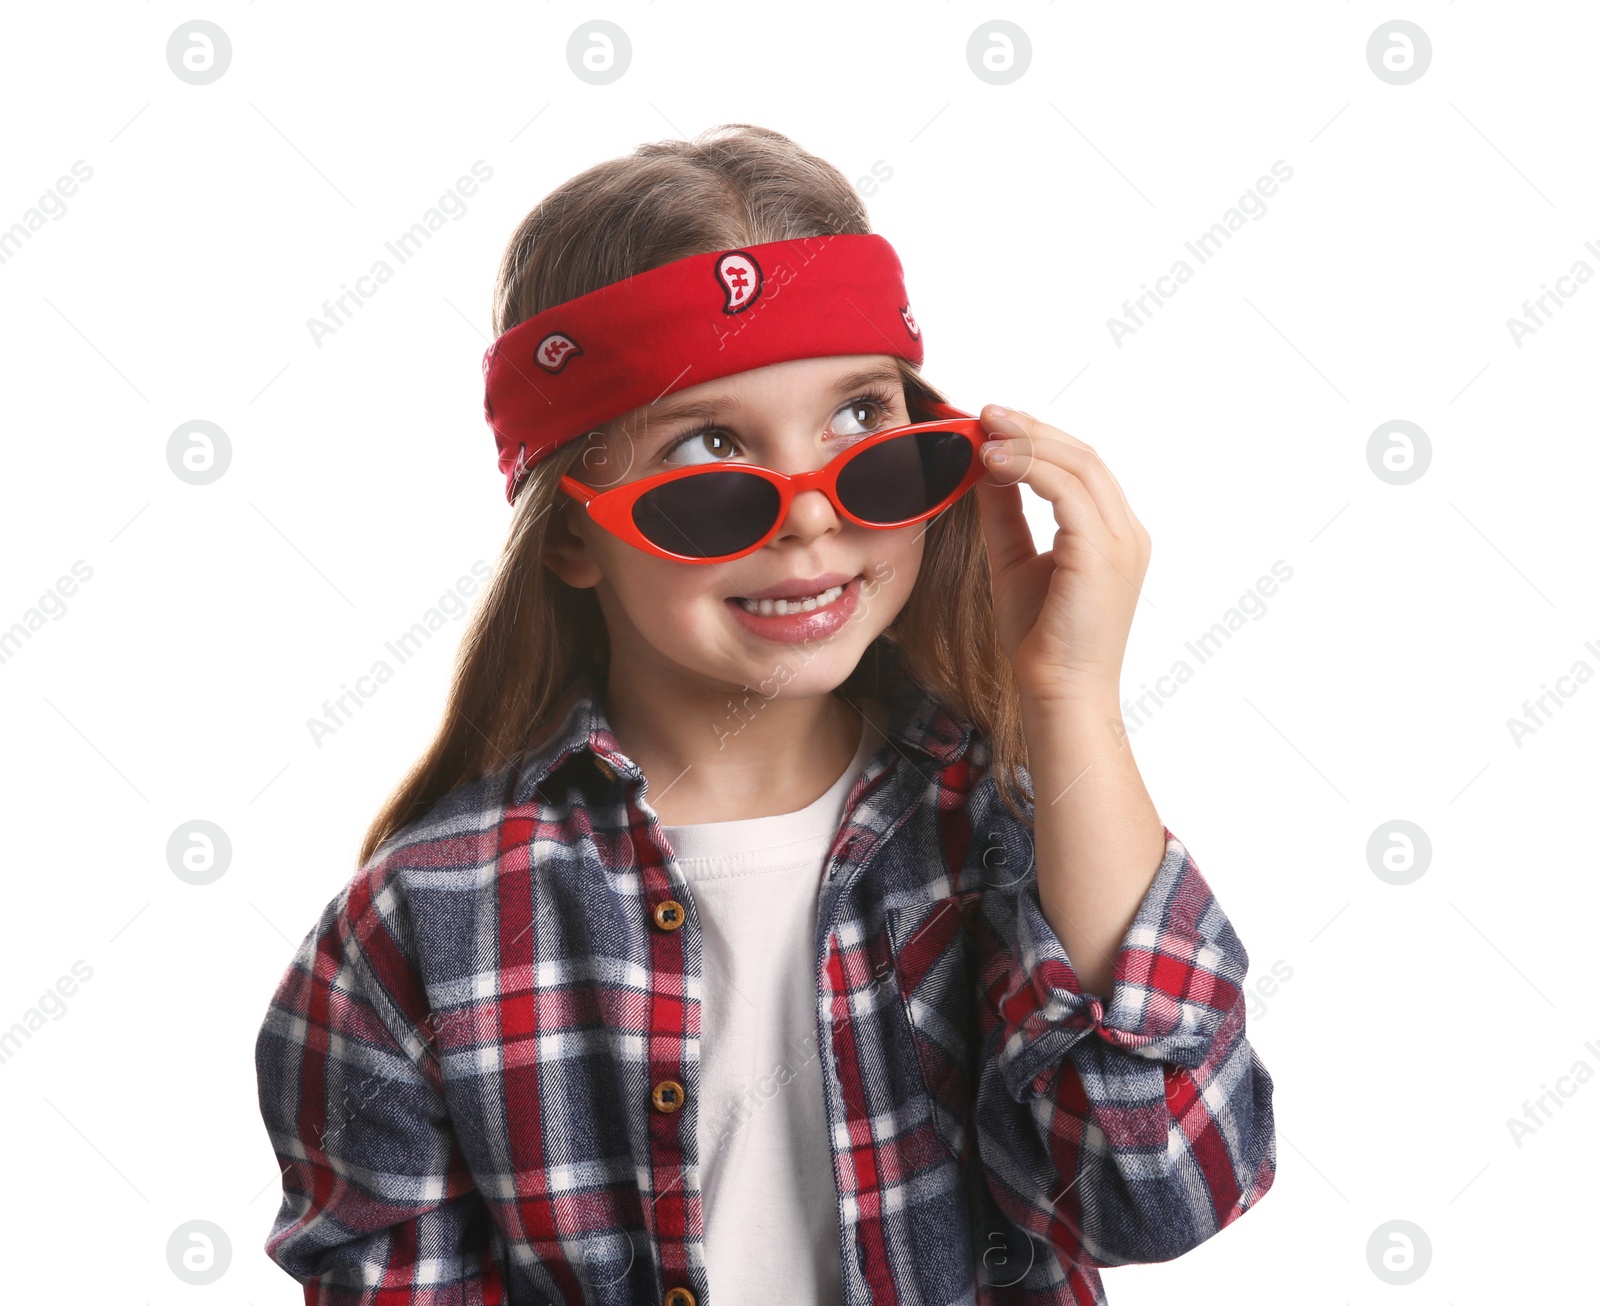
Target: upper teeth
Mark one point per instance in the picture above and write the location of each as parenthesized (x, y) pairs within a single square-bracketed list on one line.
[(779, 607)]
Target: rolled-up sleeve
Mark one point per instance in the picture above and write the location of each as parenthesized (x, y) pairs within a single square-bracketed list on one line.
[(1133, 1128)]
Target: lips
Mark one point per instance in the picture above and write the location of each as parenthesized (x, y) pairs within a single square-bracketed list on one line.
[(801, 588), (798, 624)]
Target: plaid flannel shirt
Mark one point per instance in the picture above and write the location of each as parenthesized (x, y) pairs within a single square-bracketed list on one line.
[(480, 1071)]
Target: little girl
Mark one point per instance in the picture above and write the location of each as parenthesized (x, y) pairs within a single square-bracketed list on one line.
[(715, 952)]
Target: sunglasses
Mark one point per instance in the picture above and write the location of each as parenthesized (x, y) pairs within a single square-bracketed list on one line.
[(719, 512)]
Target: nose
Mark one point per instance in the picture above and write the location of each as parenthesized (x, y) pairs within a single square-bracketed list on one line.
[(811, 513)]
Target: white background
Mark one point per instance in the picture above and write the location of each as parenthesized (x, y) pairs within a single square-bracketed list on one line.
[(178, 682)]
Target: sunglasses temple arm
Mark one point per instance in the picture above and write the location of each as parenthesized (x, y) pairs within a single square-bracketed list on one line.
[(578, 490)]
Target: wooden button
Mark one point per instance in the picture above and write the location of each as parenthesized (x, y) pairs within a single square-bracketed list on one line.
[(669, 914), (605, 768), (678, 1297), (667, 1095)]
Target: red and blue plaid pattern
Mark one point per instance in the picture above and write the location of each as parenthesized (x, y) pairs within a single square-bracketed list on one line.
[(467, 1071)]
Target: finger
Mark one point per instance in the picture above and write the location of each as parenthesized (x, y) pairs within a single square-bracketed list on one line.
[(1079, 518), (1071, 503), (1038, 427), (1031, 438), (1005, 526), (1022, 460), (1042, 429)]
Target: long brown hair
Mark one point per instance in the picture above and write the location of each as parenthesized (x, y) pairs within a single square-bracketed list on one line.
[(733, 185)]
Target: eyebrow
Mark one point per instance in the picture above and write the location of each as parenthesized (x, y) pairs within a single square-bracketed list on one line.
[(716, 404)]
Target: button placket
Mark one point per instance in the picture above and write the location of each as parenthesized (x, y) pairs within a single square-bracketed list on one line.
[(660, 881)]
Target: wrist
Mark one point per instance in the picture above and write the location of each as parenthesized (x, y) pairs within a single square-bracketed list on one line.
[(1064, 734), (1077, 702)]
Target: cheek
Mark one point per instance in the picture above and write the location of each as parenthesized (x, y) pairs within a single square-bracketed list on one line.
[(655, 592), (894, 559)]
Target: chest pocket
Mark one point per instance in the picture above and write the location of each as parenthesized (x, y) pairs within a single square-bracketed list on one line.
[(935, 970)]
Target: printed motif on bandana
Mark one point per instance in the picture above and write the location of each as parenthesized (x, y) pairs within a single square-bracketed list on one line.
[(555, 350), (739, 275)]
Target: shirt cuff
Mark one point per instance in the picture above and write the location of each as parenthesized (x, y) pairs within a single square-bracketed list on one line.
[(1179, 971)]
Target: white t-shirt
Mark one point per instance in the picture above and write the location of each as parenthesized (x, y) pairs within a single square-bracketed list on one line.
[(770, 1201)]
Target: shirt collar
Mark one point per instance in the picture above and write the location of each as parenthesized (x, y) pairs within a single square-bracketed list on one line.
[(918, 721)]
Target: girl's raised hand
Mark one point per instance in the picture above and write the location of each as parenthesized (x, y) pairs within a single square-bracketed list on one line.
[(1063, 616)]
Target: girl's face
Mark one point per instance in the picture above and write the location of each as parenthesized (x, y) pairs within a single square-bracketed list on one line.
[(675, 620)]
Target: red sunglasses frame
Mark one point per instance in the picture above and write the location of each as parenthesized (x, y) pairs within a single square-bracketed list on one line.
[(613, 509)]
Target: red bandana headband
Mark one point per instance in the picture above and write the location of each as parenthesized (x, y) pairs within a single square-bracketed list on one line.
[(564, 371)]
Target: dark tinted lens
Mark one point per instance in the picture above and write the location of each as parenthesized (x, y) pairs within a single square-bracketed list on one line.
[(707, 515), (901, 478)]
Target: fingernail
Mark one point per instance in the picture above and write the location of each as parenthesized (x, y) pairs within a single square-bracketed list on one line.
[(994, 453), (999, 411)]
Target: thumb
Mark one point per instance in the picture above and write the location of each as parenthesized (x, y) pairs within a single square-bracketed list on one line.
[(1005, 529)]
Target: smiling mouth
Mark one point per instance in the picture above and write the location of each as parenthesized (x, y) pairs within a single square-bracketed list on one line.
[(782, 607), (801, 603)]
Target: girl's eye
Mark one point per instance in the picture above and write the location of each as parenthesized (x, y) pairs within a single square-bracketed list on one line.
[(861, 410), (711, 441)]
